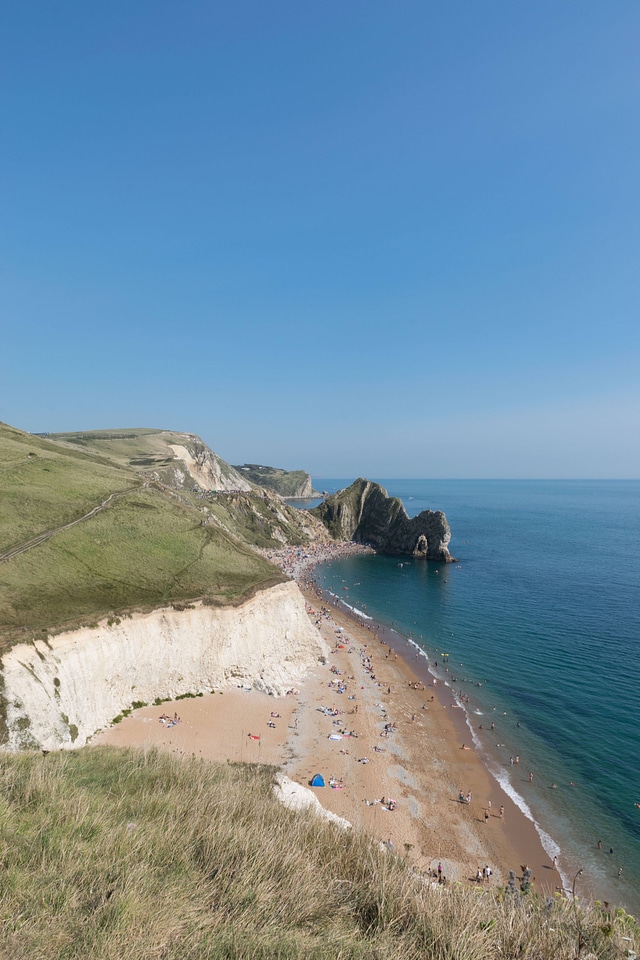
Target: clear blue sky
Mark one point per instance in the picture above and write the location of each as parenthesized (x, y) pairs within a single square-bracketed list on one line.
[(362, 238)]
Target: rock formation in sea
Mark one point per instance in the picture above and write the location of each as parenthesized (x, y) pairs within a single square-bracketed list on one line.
[(365, 513)]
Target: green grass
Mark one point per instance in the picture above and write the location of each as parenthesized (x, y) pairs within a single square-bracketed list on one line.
[(284, 482), (141, 449), (148, 547), (45, 486), (120, 854), (120, 446), (253, 518), (145, 550)]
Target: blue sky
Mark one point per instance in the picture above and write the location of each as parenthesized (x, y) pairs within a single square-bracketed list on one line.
[(361, 238)]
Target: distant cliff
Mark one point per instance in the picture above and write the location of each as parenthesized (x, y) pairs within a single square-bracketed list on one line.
[(180, 460), (364, 512), (293, 484)]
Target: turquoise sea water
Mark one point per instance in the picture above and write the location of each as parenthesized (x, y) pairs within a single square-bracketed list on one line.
[(541, 619)]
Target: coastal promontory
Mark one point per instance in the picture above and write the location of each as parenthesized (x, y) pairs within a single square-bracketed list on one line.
[(291, 484), (365, 513)]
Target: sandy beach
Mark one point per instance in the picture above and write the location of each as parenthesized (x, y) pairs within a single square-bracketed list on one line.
[(374, 723)]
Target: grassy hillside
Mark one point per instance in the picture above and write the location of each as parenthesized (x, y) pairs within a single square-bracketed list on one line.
[(158, 453), (288, 483), (44, 486), (140, 447), (144, 551), (149, 546), (263, 519), (121, 854)]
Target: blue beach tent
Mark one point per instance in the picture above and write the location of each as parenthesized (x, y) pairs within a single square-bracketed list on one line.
[(318, 781)]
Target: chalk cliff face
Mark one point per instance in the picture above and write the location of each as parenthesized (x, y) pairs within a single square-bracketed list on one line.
[(305, 490), (59, 692), (197, 463), (364, 512), (180, 460)]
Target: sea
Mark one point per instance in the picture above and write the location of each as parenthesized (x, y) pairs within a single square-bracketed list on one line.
[(536, 627)]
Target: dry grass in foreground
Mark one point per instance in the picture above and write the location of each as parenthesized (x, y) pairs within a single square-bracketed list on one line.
[(127, 855)]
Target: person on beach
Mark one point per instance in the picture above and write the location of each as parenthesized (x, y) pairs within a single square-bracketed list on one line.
[(502, 812), (486, 816)]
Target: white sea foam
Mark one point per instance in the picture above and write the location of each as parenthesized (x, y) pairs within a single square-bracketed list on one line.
[(355, 610), (549, 845), (359, 613), (364, 616), (417, 647)]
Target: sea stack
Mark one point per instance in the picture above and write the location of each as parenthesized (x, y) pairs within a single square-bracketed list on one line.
[(365, 513)]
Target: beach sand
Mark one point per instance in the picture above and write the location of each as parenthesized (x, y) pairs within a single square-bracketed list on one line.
[(420, 764)]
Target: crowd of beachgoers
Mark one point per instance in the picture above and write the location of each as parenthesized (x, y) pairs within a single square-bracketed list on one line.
[(372, 727), (298, 562)]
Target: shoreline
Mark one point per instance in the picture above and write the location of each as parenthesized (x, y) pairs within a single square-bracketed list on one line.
[(380, 728), (524, 834), (591, 889)]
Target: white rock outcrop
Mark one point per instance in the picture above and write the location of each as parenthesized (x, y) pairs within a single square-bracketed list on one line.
[(296, 797), (205, 467), (59, 692)]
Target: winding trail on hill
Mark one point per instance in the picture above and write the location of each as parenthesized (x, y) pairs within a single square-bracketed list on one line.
[(42, 537)]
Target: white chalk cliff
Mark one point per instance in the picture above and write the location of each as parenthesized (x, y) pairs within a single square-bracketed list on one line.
[(59, 692)]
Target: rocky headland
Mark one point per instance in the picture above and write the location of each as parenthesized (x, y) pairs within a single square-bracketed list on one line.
[(365, 513), (291, 484)]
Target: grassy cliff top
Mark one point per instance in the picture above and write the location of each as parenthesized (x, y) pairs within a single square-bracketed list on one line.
[(125, 447), (140, 544), (45, 485), (160, 453), (287, 483)]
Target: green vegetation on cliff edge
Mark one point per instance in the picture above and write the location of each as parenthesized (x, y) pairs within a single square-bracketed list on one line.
[(288, 483), (128, 854), (148, 546)]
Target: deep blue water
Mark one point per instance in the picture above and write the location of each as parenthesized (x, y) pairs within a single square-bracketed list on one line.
[(543, 611)]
